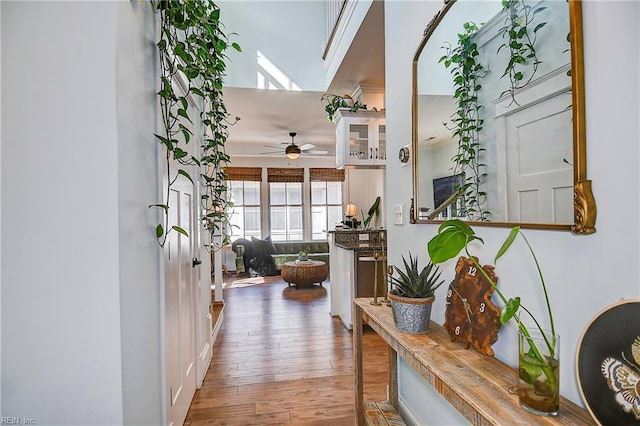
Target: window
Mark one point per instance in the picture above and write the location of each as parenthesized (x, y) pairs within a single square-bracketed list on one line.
[(326, 200), (326, 208), (243, 190), (285, 211), (294, 213), (285, 203), (244, 216)]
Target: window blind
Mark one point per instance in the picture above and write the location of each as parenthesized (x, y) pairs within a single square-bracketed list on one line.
[(243, 173), (285, 174), (326, 175)]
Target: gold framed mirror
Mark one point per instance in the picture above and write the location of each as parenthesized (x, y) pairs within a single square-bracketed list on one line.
[(499, 117)]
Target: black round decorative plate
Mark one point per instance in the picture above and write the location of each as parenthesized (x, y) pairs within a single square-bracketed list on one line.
[(608, 365)]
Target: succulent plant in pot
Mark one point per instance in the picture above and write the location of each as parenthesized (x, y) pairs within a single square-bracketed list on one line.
[(412, 295)]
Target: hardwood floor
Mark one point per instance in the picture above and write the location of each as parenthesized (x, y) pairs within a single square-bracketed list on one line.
[(280, 358)]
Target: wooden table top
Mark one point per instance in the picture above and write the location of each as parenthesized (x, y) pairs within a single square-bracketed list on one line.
[(476, 385), (304, 263)]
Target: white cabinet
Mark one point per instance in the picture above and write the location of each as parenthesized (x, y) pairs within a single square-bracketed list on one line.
[(361, 139), (353, 272)]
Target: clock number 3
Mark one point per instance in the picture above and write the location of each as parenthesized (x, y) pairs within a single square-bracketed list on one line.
[(473, 270)]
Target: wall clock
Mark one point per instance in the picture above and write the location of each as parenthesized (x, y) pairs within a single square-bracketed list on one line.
[(403, 154), (471, 317)]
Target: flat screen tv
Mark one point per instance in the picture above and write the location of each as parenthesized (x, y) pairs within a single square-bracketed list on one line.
[(445, 187)]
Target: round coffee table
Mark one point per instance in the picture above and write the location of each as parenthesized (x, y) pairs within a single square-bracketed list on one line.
[(305, 272)]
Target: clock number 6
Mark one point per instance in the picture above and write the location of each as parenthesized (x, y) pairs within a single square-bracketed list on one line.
[(457, 330), (472, 271)]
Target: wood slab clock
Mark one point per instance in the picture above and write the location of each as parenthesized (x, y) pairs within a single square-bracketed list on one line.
[(471, 317)]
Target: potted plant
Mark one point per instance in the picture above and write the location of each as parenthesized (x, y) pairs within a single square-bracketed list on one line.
[(303, 256), (412, 295), (374, 211), (539, 348), (334, 102)]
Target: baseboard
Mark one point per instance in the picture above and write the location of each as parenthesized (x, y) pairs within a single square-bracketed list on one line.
[(346, 325), (218, 325), (204, 356), (407, 414), (204, 360)]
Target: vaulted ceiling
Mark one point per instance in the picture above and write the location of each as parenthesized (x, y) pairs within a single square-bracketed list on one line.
[(267, 116)]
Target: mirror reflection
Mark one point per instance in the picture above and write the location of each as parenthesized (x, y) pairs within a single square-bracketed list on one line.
[(494, 114)]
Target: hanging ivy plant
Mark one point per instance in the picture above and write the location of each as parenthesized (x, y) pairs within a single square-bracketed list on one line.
[(192, 49), (520, 40), (466, 122)]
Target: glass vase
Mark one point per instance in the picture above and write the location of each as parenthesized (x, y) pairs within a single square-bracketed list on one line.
[(539, 372)]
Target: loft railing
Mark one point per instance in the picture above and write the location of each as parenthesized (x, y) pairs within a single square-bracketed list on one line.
[(334, 13)]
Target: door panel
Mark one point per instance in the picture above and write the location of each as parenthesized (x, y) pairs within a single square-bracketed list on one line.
[(180, 304), (540, 182), (186, 302)]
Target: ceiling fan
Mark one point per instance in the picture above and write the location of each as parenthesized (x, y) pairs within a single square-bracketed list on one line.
[(293, 151)]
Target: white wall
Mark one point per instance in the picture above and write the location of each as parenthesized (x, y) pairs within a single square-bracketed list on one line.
[(362, 188), (80, 320), (60, 283), (584, 273), (0, 210), (284, 32), (140, 265)]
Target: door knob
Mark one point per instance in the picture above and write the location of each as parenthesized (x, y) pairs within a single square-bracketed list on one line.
[(195, 262)]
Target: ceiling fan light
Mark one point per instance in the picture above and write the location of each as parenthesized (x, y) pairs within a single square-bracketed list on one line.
[(293, 152)]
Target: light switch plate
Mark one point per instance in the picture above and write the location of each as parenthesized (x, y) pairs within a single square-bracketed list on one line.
[(398, 218)]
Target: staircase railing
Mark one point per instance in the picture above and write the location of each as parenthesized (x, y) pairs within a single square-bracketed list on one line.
[(334, 10)]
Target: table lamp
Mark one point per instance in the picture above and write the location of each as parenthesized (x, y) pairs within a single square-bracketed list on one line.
[(350, 212)]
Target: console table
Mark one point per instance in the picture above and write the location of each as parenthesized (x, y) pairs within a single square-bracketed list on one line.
[(475, 385)]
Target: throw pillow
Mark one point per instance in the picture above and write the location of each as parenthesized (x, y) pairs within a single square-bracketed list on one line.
[(264, 265), (264, 247)]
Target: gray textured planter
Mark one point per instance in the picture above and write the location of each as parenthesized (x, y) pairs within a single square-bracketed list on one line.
[(411, 315)]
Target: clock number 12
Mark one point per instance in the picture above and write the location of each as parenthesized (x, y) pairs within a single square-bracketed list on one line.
[(473, 270)]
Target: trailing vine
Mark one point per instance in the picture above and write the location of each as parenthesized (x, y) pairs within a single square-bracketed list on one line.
[(192, 49), (335, 102), (520, 42), (466, 122)]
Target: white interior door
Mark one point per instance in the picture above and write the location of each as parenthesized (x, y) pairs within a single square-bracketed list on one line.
[(540, 182), (180, 303), (187, 285)]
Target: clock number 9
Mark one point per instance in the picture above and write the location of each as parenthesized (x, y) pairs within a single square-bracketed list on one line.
[(472, 271), (457, 331), (449, 293), (482, 307)]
